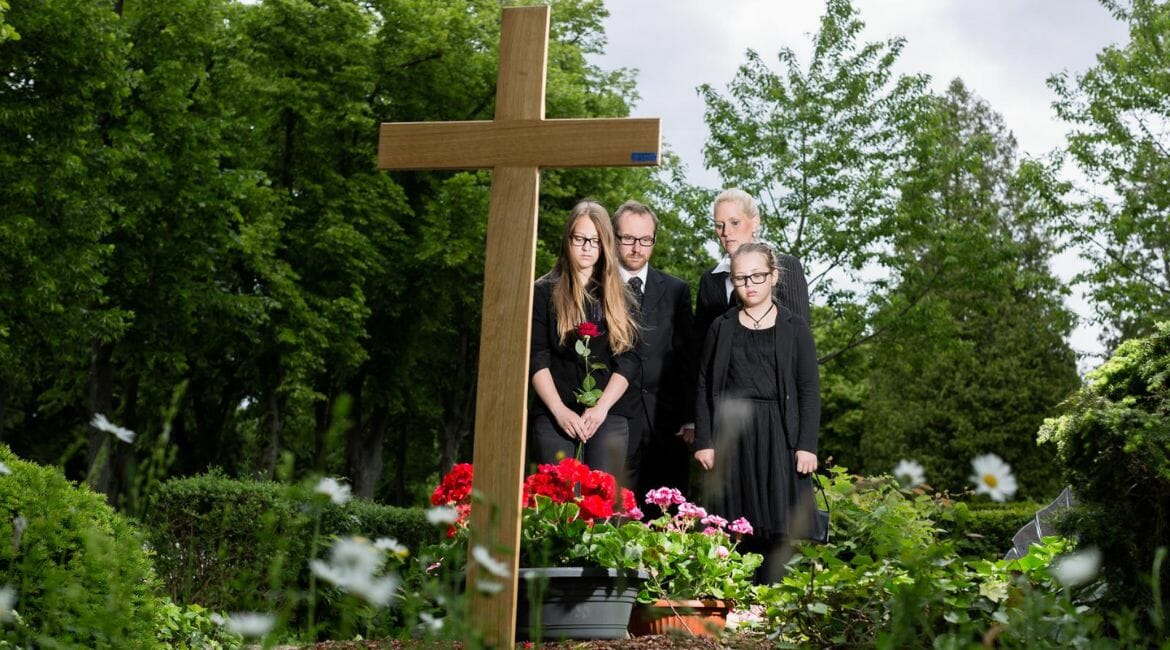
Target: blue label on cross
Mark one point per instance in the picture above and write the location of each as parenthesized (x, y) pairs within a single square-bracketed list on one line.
[(643, 156)]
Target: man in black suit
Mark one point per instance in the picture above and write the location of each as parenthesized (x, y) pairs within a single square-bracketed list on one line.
[(662, 430)]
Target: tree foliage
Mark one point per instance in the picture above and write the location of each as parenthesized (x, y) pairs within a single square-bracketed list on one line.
[(940, 330), (197, 243), (1120, 113), (985, 356), (820, 144)]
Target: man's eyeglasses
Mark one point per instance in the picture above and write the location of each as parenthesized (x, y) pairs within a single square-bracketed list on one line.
[(580, 241), (742, 280), (628, 240)]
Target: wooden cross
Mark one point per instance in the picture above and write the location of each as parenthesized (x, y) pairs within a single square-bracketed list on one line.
[(515, 146)]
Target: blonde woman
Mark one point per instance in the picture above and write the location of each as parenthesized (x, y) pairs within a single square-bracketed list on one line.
[(582, 306), (736, 217)]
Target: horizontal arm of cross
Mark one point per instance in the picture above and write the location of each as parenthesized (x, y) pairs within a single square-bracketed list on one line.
[(599, 142)]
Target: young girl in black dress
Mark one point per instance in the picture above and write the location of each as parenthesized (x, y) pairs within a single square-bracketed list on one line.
[(583, 288), (757, 411)]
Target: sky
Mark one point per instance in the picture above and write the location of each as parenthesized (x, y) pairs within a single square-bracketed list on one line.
[(1004, 50)]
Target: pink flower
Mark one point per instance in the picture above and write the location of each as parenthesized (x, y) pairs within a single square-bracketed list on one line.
[(710, 530), (722, 552), (635, 513), (714, 520), (663, 497), (741, 526), (686, 509)]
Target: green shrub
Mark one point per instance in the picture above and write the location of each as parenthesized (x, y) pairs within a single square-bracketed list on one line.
[(1113, 441), (79, 569), (985, 529), (890, 579), (191, 627), (233, 545)]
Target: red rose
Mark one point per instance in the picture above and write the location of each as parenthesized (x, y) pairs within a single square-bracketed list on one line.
[(588, 329)]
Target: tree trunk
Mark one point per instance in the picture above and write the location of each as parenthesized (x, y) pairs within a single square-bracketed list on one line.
[(459, 407), (101, 462), (272, 427), (363, 452), (3, 406), (400, 461)]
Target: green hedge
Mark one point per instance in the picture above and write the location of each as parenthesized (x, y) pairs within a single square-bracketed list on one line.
[(81, 576), (985, 529), (229, 544)]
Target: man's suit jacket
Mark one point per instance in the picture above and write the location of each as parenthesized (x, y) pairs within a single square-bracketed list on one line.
[(666, 351), (791, 292), (797, 377)]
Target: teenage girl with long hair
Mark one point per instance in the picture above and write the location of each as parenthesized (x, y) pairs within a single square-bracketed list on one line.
[(583, 300)]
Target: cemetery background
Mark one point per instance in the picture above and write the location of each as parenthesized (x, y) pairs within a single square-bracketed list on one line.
[(196, 244)]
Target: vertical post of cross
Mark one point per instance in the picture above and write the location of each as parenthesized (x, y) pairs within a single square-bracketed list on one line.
[(515, 145)]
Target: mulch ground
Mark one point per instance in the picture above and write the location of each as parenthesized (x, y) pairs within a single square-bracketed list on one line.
[(738, 641)]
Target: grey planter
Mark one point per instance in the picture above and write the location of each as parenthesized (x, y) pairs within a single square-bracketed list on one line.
[(575, 602)]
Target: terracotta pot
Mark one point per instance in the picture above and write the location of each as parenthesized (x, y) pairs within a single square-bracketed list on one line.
[(693, 617)]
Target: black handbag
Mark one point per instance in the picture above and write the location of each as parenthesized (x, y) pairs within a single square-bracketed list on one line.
[(820, 524)]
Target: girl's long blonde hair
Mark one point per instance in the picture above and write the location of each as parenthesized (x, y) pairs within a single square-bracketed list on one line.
[(570, 297)]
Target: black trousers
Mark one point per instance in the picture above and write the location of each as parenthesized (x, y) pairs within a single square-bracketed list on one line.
[(605, 451), (656, 459)]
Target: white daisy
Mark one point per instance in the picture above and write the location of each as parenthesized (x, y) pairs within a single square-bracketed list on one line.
[(353, 563), (4, 469), (442, 515), (993, 477), (337, 492), (391, 546), (250, 625), (1076, 569), (485, 559), (100, 423), (909, 474), (430, 622)]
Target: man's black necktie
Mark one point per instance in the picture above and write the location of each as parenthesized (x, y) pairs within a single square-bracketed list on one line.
[(636, 285)]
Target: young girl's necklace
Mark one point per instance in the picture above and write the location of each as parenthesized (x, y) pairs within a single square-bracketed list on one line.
[(756, 321)]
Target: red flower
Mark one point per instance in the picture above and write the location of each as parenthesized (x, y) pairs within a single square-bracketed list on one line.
[(599, 483), (595, 507), (628, 500), (455, 488), (588, 329), (546, 484), (571, 470)]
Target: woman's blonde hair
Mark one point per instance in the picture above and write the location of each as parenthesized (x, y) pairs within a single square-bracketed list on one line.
[(570, 297), (736, 195)]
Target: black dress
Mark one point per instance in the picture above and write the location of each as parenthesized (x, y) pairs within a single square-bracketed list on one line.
[(758, 480)]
